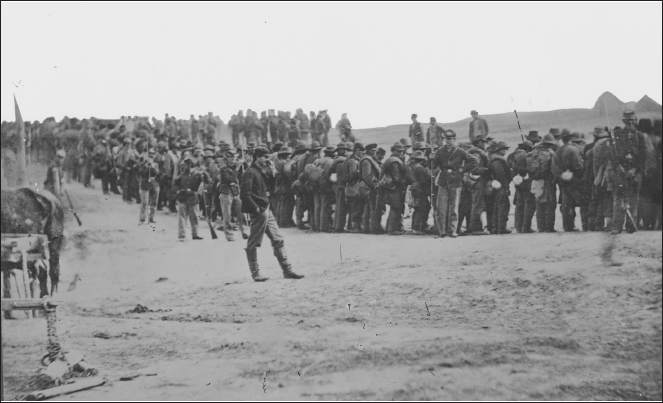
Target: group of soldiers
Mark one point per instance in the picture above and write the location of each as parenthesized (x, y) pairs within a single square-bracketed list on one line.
[(298, 180), (282, 127), (348, 187), (610, 181)]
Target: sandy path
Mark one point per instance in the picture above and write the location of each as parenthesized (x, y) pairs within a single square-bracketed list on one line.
[(496, 317)]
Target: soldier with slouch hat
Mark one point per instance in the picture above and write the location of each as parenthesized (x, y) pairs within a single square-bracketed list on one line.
[(254, 195)]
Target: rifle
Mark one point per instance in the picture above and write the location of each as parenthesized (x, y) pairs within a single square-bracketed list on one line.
[(209, 222), (521, 130), (71, 208)]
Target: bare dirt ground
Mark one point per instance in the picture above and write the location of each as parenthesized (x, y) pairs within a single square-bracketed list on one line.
[(512, 317)]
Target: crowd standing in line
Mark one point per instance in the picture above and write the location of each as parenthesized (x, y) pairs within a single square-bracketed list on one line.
[(281, 171)]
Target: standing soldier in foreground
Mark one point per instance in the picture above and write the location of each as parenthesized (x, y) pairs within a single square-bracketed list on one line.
[(352, 177), (338, 180), (539, 168), (148, 172), (420, 191), (325, 189), (124, 159), (453, 162), (102, 165), (568, 169), (255, 201), (284, 194), (231, 206), (501, 179), (187, 184), (166, 174), (53, 181), (631, 162), (480, 176), (524, 199), (396, 177), (370, 176)]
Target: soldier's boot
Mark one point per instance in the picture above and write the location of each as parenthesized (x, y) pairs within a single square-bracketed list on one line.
[(279, 252), (301, 225), (252, 257)]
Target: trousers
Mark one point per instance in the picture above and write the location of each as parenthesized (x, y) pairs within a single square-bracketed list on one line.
[(261, 224), (420, 214), (148, 199), (286, 206), (326, 202), (525, 203), (478, 204), (370, 216), (231, 207), (501, 208), (465, 208), (356, 211), (447, 209), (187, 212)]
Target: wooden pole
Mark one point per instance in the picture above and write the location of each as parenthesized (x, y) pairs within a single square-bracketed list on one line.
[(22, 177), (27, 304), (80, 384)]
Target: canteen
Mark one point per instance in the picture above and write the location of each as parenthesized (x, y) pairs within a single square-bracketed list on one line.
[(567, 176), (517, 180), (333, 177), (495, 184)]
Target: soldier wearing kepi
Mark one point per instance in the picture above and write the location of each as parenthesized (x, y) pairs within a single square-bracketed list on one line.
[(394, 179), (453, 162), (254, 194), (630, 162), (149, 187), (501, 179), (188, 183), (231, 206), (524, 199), (368, 189)]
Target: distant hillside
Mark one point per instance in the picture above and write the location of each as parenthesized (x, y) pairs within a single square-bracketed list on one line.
[(504, 126)]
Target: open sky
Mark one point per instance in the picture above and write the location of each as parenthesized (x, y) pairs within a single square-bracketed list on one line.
[(379, 62)]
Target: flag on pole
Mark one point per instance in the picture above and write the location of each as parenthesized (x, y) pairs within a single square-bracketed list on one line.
[(21, 177)]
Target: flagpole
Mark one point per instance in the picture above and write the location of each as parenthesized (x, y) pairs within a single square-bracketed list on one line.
[(21, 179)]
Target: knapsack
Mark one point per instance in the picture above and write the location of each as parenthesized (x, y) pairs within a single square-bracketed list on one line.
[(538, 161)]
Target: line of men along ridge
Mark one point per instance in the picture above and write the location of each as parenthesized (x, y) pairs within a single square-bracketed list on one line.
[(347, 188)]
